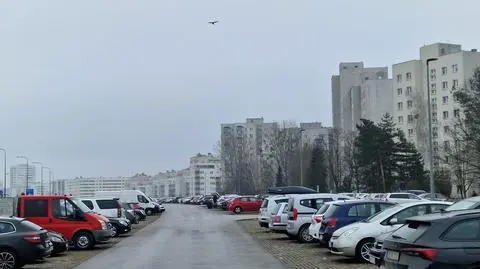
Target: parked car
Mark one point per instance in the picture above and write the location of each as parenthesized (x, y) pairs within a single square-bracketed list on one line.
[(300, 209), (130, 213), (343, 213), (138, 210), (316, 221), (120, 226), (446, 240), (108, 207), (469, 203), (130, 196), (22, 242), (278, 220), (376, 252), (244, 203), (60, 243), (355, 240), (402, 197), (433, 197), (269, 205)]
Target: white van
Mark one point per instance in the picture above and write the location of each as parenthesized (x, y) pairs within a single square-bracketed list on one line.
[(109, 207), (131, 196)]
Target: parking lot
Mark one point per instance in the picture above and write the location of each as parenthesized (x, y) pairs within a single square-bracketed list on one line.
[(72, 258), (295, 255)]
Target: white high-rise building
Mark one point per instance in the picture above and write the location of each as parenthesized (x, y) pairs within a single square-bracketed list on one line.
[(206, 174), (450, 69), (18, 179), (359, 92)]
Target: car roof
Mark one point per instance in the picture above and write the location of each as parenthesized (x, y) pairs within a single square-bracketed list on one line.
[(445, 215), (314, 195), (348, 202)]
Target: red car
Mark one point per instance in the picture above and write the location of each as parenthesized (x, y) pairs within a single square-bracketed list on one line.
[(244, 203)]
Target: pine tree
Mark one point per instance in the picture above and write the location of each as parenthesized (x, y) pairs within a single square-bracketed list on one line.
[(410, 165), (367, 156), (317, 175), (386, 151)]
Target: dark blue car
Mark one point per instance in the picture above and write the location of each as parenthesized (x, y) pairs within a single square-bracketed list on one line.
[(343, 213)]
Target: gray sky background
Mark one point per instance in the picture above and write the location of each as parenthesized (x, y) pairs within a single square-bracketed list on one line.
[(116, 87)]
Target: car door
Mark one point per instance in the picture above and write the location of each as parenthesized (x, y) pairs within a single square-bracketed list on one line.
[(62, 216), (36, 211)]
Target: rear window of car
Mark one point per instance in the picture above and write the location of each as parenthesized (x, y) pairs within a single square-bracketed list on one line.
[(400, 196), (264, 203), (31, 225), (322, 209), (331, 211), (108, 204), (411, 231), (462, 205)]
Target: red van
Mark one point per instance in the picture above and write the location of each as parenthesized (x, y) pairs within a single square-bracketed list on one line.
[(65, 215)]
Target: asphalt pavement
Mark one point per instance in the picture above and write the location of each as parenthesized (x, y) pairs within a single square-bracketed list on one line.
[(187, 237)]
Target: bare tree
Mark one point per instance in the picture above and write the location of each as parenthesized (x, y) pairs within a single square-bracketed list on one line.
[(349, 181), (420, 115), (335, 159)]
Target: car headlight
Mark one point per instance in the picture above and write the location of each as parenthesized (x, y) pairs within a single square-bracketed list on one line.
[(103, 224), (348, 232), (124, 223)]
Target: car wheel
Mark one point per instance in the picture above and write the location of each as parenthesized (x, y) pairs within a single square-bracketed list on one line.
[(9, 259), (149, 211), (83, 240), (304, 236), (114, 230), (362, 252), (237, 210)]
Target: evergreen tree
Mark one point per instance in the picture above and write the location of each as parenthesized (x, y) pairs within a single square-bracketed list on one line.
[(386, 152), (317, 175), (367, 156), (410, 166)]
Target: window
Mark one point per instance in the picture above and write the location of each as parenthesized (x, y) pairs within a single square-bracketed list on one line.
[(445, 115), (62, 209), (384, 206), (446, 129), (6, 227), (400, 106), (409, 104), (142, 199), (437, 208), (245, 199), (445, 85), (400, 119), (410, 212), (399, 195), (434, 106), (462, 231), (409, 90), (399, 91), (433, 86), (456, 113), (88, 203), (434, 100), (409, 76), (412, 231), (410, 118), (410, 131), (399, 78), (455, 83), (446, 145), (314, 203), (444, 70), (434, 92), (433, 74), (108, 204), (434, 116), (445, 100), (35, 208), (454, 68), (365, 210)]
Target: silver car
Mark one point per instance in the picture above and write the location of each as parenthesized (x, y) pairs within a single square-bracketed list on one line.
[(279, 218)]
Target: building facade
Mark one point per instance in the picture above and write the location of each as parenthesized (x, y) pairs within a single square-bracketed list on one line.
[(206, 174), (86, 187), (18, 179), (359, 92)]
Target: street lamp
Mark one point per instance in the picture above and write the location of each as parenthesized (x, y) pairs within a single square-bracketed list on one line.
[(4, 172), (26, 159), (430, 134), (301, 156), (41, 176)]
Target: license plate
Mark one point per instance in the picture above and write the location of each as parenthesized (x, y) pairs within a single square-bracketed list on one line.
[(393, 255)]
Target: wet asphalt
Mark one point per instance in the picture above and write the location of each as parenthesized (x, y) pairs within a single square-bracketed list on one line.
[(186, 237)]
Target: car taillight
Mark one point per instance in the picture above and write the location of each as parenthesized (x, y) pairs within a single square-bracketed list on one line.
[(33, 238), (318, 219), (426, 253), (276, 219), (332, 223), (295, 214)]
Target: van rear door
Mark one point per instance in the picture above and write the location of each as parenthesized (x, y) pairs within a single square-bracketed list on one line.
[(35, 210), (109, 208)]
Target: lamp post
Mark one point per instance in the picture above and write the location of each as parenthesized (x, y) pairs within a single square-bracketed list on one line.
[(41, 176), (301, 156), (430, 134), (4, 172), (26, 159)]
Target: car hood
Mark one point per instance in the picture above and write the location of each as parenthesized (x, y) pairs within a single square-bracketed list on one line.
[(364, 228)]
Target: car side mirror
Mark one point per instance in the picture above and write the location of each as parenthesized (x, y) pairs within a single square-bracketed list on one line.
[(393, 221), (78, 214)]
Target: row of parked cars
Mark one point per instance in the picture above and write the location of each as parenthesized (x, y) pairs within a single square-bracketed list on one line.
[(35, 227), (388, 232)]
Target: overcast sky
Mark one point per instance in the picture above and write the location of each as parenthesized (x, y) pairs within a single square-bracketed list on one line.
[(107, 88)]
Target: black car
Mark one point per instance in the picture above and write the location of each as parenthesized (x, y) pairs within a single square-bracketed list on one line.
[(442, 240), (23, 242), (60, 243), (120, 226), (130, 214)]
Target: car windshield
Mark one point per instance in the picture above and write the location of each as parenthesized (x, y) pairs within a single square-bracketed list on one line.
[(80, 205), (462, 205), (385, 213)]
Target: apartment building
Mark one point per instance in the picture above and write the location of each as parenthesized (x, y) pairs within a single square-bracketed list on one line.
[(359, 92), (86, 187), (18, 179), (450, 69), (311, 131), (206, 174)]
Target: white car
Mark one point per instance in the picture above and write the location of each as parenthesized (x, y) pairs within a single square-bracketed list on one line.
[(317, 220), (355, 240), (278, 220), (402, 197), (268, 207)]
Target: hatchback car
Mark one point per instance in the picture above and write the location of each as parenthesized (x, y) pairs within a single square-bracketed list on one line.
[(244, 203), (444, 240), (23, 242), (278, 220)]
